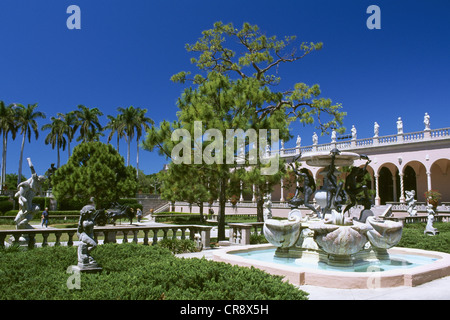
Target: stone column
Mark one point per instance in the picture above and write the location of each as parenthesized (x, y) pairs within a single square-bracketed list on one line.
[(241, 198), (253, 196), (281, 190), (428, 180), (394, 185), (377, 190), (402, 188)]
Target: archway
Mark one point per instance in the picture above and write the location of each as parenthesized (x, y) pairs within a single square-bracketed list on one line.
[(440, 178)]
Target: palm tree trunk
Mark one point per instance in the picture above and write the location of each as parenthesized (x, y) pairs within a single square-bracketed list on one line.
[(58, 162), (118, 140), (5, 145), (137, 159), (2, 180), (19, 178), (68, 146), (128, 151)]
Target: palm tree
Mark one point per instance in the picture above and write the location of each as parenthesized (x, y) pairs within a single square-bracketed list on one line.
[(26, 123), (145, 122), (90, 128), (116, 126), (71, 125), (56, 135), (133, 119), (7, 125)]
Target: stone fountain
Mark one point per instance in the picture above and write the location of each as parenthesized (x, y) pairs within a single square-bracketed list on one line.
[(328, 234)]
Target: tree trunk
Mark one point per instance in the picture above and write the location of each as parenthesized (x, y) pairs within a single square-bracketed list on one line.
[(5, 143), (260, 209), (19, 178), (200, 205), (137, 159), (128, 151), (221, 214), (2, 180), (57, 152)]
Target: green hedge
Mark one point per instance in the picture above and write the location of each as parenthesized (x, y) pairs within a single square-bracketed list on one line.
[(413, 237), (134, 272), (39, 213)]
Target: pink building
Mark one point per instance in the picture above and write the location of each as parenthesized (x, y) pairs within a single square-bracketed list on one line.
[(417, 161)]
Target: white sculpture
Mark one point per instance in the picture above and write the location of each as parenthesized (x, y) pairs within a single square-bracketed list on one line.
[(299, 141), (353, 132), (399, 126), (333, 136), (376, 129), (267, 213), (315, 138), (430, 229), (411, 202), (426, 121), (27, 190)]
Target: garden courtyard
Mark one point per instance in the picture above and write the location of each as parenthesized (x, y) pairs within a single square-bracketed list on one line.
[(175, 269)]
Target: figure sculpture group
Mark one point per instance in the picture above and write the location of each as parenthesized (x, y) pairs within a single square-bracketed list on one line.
[(339, 195)]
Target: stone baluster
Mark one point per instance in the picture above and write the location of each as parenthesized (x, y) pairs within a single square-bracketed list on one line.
[(125, 236), (58, 238), (164, 233), (174, 233), (135, 236), (45, 237), (16, 237), (146, 237), (31, 240), (183, 233), (155, 237), (70, 241)]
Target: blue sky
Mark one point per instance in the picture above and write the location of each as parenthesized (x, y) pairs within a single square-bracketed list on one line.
[(127, 50)]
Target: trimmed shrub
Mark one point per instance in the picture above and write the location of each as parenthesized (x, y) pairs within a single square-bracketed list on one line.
[(413, 237), (177, 245), (134, 272)]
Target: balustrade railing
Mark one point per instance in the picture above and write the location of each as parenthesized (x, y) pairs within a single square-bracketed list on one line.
[(145, 234), (372, 141)]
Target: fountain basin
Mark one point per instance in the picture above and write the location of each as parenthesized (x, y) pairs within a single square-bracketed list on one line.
[(323, 158), (284, 233), (435, 265)]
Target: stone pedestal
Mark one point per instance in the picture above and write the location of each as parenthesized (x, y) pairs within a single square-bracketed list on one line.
[(87, 269)]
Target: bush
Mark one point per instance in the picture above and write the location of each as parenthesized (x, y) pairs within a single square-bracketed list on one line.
[(178, 246), (413, 237), (5, 206), (134, 272)]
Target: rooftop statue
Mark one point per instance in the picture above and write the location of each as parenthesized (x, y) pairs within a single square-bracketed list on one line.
[(426, 121)]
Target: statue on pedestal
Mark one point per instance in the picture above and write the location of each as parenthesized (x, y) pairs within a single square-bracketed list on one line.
[(412, 211), (353, 132), (267, 213), (85, 234), (315, 138), (426, 121), (376, 129), (26, 191), (429, 229), (399, 126)]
